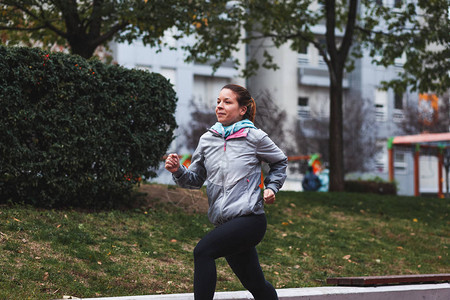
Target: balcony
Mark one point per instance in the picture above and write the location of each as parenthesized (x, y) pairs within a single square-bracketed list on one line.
[(310, 75), (304, 112), (398, 116)]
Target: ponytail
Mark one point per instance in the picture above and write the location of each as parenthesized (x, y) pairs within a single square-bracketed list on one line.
[(251, 110)]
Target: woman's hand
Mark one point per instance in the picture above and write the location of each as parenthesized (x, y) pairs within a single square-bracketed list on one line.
[(172, 163), (269, 196)]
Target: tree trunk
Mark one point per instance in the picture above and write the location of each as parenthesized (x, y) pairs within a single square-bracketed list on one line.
[(81, 48), (336, 66), (336, 146)]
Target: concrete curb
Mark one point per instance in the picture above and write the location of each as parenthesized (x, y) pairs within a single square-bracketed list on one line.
[(395, 292)]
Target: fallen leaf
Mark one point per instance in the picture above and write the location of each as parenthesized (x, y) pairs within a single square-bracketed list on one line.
[(99, 262), (285, 223), (17, 220), (347, 257), (45, 278), (399, 248), (173, 241), (276, 273), (292, 205)]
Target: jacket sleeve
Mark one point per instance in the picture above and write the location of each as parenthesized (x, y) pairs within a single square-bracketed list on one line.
[(194, 176), (268, 152)]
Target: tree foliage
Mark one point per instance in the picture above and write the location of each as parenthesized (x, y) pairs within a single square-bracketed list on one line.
[(86, 24), (416, 34)]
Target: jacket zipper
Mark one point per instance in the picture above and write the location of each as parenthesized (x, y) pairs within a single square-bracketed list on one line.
[(222, 204)]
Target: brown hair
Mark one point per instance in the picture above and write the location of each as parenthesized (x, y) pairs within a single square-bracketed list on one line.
[(244, 99)]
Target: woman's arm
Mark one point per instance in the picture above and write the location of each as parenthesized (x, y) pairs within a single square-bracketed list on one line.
[(268, 152), (192, 178)]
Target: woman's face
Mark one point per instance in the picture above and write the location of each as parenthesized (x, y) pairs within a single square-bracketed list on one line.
[(228, 110)]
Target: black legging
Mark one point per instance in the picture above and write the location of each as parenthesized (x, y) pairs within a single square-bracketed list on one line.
[(235, 240)]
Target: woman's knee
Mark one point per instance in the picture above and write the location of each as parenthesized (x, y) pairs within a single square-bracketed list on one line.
[(202, 251)]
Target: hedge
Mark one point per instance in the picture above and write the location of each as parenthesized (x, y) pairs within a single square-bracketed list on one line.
[(370, 186), (77, 132)]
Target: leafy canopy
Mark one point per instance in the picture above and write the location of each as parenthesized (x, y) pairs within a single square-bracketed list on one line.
[(84, 25), (414, 33)]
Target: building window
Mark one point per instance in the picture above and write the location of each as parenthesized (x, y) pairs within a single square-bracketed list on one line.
[(400, 162), (398, 101), (323, 45), (381, 158), (381, 100), (303, 57), (170, 74), (205, 90), (398, 3), (397, 115), (302, 101), (303, 48), (303, 109)]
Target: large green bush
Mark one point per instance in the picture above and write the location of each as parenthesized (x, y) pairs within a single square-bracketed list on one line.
[(78, 133)]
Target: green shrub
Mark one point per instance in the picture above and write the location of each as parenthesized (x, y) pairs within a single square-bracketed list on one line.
[(77, 132), (370, 186)]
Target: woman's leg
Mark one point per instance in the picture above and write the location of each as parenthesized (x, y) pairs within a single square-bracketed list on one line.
[(235, 236), (246, 266)]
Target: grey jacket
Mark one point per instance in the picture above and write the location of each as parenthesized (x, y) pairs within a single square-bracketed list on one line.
[(231, 168)]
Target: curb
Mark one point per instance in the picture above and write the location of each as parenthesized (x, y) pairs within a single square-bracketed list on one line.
[(439, 291)]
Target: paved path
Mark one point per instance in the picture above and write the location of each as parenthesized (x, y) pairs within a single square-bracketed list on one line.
[(439, 291)]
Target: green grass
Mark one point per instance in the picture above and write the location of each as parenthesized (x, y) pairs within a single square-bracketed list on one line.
[(45, 254)]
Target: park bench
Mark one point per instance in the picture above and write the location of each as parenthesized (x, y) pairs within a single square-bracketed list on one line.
[(388, 280)]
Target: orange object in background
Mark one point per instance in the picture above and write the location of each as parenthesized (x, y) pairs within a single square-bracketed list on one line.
[(428, 108), (261, 185)]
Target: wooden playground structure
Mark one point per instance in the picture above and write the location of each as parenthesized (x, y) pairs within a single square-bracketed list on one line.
[(440, 142)]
